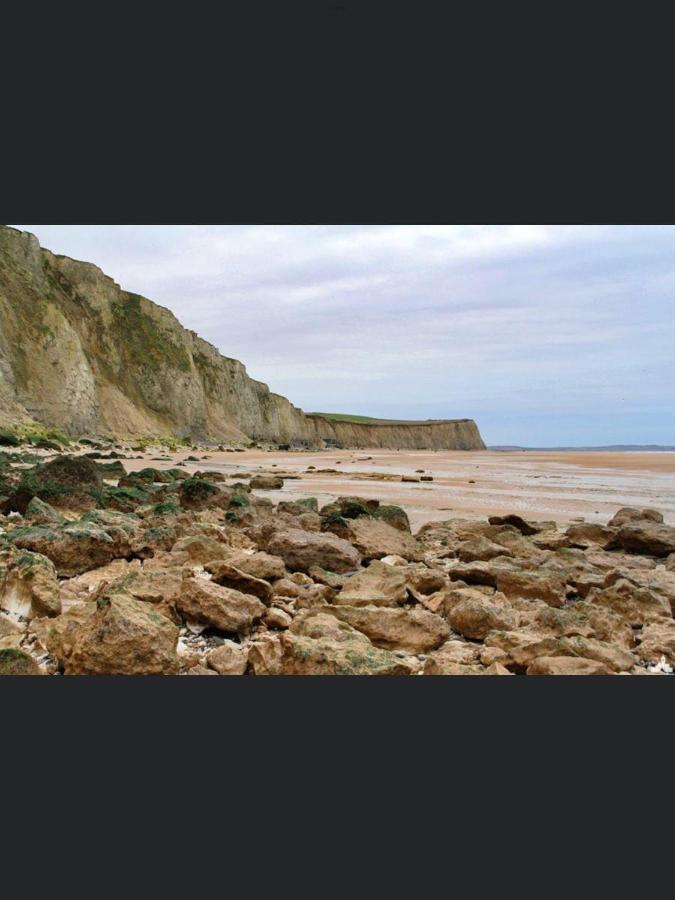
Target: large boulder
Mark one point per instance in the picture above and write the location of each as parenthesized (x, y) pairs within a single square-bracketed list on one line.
[(219, 607), (414, 630), (374, 539), (229, 576), (201, 548), (475, 618), (629, 514), (647, 537), (454, 657), (480, 548), (549, 586), (635, 605), (266, 482), (76, 547), (71, 482), (585, 534), (300, 550), (28, 585), (228, 659), (657, 640), (523, 525), (352, 655), (122, 636), (523, 649), (567, 665), (259, 565), (14, 661), (377, 585)]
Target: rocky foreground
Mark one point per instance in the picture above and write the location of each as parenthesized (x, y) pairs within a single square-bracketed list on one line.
[(105, 572)]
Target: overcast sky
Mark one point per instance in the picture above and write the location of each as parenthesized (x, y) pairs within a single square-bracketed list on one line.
[(546, 335)]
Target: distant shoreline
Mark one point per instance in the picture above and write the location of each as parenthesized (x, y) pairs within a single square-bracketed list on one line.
[(612, 448)]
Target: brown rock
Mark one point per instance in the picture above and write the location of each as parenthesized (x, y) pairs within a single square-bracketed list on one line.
[(220, 607), (475, 619), (265, 655), (229, 576), (28, 585), (277, 618), (200, 670), (657, 640), (480, 548), (540, 585), (566, 665), (587, 533), (414, 630), (228, 659), (646, 537), (378, 585), (634, 604), (521, 524), (15, 662), (301, 550), (122, 636), (201, 549), (628, 514), (354, 655), (375, 539), (259, 565), (266, 482)]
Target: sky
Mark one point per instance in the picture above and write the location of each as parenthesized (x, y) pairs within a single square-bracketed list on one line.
[(545, 335)]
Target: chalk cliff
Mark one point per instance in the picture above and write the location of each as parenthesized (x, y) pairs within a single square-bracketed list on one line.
[(79, 353)]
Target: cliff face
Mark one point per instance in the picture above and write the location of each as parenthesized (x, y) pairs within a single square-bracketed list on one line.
[(79, 353)]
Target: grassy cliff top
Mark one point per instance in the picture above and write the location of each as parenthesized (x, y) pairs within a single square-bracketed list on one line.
[(368, 420)]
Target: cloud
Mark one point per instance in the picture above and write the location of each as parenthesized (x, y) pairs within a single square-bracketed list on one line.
[(544, 334)]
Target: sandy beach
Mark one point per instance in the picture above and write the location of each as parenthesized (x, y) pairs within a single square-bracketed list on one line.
[(556, 485)]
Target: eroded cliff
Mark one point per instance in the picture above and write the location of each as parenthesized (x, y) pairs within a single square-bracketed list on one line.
[(79, 353)]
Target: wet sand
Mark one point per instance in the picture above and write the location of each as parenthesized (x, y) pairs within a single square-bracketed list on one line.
[(557, 485)]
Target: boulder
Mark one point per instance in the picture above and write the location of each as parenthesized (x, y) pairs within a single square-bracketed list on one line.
[(521, 524), (352, 655), (228, 659), (266, 482), (15, 662), (657, 640), (480, 548), (586, 534), (73, 482), (377, 585), (628, 515), (219, 607), (300, 550), (122, 636), (229, 576), (646, 537), (40, 513), (633, 604), (201, 549), (76, 547), (454, 657), (29, 587), (567, 665), (258, 565), (548, 586), (265, 655), (475, 618), (374, 539), (414, 630), (277, 618)]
